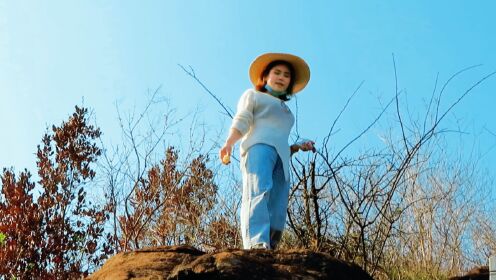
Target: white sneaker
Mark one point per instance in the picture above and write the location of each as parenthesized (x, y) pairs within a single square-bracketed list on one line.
[(260, 246)]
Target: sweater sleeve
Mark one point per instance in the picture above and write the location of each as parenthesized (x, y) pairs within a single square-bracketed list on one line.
[(243, 119)]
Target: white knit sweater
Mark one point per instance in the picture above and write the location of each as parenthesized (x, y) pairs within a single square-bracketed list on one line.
[(262, 118)]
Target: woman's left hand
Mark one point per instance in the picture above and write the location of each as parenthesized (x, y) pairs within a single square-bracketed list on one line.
[(307, 146)]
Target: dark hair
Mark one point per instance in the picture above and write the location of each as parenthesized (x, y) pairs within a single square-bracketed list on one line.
[(261, 81)]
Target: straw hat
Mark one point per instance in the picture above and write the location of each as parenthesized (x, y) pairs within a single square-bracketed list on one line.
[(302, 71)]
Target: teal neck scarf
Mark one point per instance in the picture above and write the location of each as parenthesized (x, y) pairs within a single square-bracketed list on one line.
[(273, 92)]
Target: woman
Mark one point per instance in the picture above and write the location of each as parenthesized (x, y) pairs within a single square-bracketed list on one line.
[(263, 122)]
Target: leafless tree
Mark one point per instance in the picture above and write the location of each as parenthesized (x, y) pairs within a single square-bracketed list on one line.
[(387, 205)]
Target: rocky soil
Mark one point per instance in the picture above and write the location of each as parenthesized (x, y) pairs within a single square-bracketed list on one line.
[(184, 262)]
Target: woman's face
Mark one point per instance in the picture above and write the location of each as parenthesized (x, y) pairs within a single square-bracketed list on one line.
[(279, 78)]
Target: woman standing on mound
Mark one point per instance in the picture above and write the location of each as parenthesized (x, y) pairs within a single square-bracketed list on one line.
[(263, 122)]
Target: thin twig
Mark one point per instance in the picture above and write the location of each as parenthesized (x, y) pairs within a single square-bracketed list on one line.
[(192, 74), (341, 112), (396, 93)]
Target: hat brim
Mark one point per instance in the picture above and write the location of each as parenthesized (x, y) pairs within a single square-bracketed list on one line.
[(302, 71)]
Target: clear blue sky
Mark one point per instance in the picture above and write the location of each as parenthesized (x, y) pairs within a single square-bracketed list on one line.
[(54, 54)]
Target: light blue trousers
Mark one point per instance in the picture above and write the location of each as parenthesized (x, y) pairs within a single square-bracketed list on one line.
[(265, 197)]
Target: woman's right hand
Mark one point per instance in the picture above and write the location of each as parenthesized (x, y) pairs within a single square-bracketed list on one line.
[(226, 150), (225, 153)]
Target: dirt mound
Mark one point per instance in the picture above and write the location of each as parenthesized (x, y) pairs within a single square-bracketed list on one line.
[(184, 262), (478, 273)]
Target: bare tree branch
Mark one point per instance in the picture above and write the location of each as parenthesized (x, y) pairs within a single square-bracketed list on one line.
[(192, 74)]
